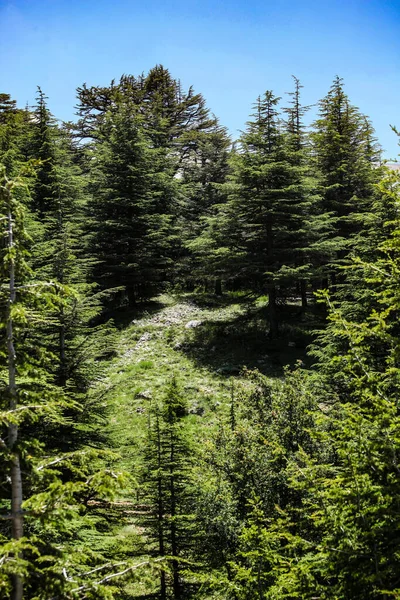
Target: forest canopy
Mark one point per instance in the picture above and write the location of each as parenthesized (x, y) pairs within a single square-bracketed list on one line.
[(200, 349)]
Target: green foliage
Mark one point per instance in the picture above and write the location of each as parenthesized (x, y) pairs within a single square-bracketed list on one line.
[(254, 573), (166, 477), (249, 486), (131, 209), (57, 491), (351, 504), (14, 124), (346, 155), (262, 237)]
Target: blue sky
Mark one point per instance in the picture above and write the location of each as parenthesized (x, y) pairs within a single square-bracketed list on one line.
[(229, 51)]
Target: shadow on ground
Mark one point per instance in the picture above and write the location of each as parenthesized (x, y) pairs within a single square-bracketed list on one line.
[(123, 316), (228, 347)]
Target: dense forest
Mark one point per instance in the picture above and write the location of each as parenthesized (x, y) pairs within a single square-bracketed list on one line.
[(200, 349)]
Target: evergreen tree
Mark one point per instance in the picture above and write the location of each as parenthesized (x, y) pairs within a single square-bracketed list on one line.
[(41, 493), (347, 547), (249, 467), (166, 477), (317, 247), (132, 210), (345, 152), (43, 148), (173, 118), (56, 224), (14, 126), (183, 139), (262, 227), (23, 374), (203, 178)]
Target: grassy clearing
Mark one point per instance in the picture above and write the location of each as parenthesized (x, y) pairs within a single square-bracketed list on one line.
[(204, 341), (152, 349)]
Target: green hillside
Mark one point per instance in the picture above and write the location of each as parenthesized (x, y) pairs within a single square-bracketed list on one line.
[(199, 357)]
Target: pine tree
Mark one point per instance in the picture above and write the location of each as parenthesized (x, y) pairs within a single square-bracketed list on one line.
[(248, 470), (14, 126), (132, 210), (317, 227), (40, 492), (13, 258), (342, 542), (262, 226), (348, 545), (345, 152), (253, 571), (178, 130), (203, 178), (166, 477), (43, 149), (56, 224), (173, 118)]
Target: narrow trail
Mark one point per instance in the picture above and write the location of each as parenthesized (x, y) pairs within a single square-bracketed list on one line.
[(205, 347), (152, 350), (176, 315)]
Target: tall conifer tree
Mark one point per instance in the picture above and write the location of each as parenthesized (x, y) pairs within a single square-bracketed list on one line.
[(345, 153), (262, 229), (59, 254), (166, 477), (132, 209)]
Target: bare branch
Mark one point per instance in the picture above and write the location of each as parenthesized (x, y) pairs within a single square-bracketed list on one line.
[(50, 464), (106, 566), (119, 574)]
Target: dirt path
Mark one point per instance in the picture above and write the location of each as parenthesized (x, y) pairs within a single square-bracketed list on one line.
[(151, 352)]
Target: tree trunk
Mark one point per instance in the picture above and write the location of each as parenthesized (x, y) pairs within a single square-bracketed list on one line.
[(174, 544), (63, 371), (303, 293), (218, 287), (273, 318), (15, 474), (160, 515)]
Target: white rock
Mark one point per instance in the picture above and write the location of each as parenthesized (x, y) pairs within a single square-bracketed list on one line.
[(192, 324), (144, 394)]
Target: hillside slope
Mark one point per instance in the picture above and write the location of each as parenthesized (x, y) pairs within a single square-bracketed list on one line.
[(206, 343)]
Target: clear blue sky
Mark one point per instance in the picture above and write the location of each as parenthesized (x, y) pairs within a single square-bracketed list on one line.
[(229, 51)]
